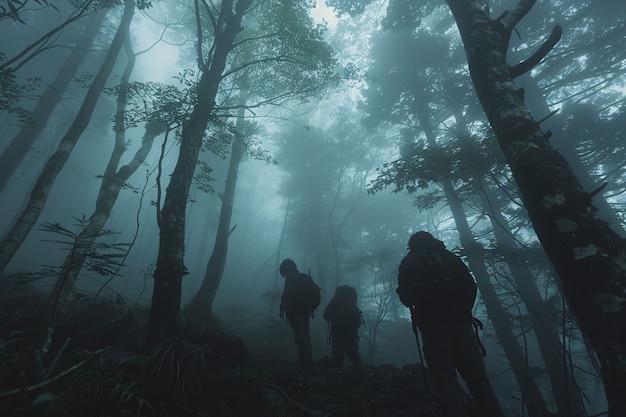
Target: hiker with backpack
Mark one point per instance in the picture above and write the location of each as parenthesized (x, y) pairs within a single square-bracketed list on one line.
[(440, 291), (344, 318), (300, 298)]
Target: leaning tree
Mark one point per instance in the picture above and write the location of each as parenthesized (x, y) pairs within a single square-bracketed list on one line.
[(588, 255)]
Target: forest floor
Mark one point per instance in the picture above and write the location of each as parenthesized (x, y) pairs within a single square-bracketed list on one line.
[(92, 364)]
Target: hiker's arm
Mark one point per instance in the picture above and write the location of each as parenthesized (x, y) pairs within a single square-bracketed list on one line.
[(283, 301), (405, 272)]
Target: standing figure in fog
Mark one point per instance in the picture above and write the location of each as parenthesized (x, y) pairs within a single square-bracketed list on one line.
[(301, 296), (344, 318), (440, 291)]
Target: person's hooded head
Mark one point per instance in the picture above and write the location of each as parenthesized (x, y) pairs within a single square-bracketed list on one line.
[(424, 241), (287, 267)]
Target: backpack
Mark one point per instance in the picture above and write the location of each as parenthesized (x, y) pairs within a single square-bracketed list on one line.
[(443, 284), (309, 291), (342, 311), (346, 294)]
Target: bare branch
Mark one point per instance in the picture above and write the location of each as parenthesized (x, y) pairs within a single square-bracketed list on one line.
[(534, 60), (279, 58), (552, 113), (45, 38), (201, 62), (257, 38), (35, 387), (511, 19)]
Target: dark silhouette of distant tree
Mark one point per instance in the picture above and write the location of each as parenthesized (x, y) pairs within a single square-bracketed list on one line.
[(39, 194), (325, 172), (37, 119), (12, 90)]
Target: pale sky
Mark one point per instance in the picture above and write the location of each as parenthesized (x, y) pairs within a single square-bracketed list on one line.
[(322, 12)]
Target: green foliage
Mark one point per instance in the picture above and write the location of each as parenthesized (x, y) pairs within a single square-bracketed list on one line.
[(251, 134), (407, 72), (406, 14), (401, 14), (104, 257), (12, 8), (416, 170), (180, 370), (144, 4), (429, 200), (12, 90), (203, 178), (178, 367), (477, 155), (151, 101), (349, 7), (220, 135), (283, 52)]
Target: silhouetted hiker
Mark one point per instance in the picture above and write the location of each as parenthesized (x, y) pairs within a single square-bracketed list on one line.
[(301, 296), (440, 291), (344, 318)]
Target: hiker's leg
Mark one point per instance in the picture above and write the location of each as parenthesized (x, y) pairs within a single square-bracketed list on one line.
[(307, 340), (438, 354), (338, 350), (471, 366), (300, 326), (352, 350)]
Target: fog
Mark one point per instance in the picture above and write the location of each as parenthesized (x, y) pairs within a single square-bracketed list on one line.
[(324, 178)]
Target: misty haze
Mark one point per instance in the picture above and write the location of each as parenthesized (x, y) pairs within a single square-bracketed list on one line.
[(159, 162)]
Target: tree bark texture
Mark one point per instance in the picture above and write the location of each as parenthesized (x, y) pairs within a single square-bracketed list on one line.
[(588, 255), (45, 181), (170, 267)]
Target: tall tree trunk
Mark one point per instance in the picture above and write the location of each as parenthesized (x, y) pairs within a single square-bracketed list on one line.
[(42, 187), (21, 144), (170, 267), (199, 311), (589, 256)]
